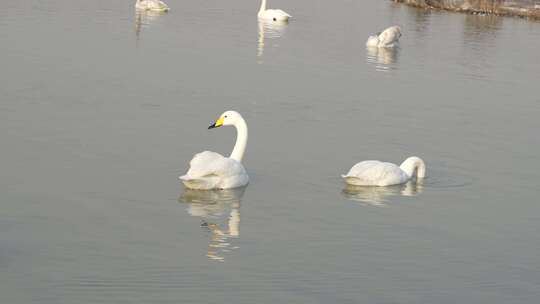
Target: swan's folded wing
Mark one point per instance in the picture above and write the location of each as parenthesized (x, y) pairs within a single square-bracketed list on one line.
[(373, 172), (209, 163), (389, 36), (278, 12)]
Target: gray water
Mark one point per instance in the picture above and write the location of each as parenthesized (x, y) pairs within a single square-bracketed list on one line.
[(101, 110)]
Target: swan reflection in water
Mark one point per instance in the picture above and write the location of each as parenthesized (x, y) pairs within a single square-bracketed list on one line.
[(378, 196), (144, 19), (270, 30), (219, 211), (384, 59)]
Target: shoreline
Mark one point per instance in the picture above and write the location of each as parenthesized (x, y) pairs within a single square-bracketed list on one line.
[(517, 8)]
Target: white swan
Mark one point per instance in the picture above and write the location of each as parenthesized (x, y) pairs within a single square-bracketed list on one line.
[(151, 5), (272, 14), (210, 170), (376, 173), (387, 38)]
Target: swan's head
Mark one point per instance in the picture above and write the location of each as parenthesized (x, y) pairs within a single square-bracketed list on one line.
[(228, 118), (398, 30)]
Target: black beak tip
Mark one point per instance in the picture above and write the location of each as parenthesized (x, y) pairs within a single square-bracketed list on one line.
[(211, 126)]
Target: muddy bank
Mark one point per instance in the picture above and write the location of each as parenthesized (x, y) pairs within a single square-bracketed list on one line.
[(521, 8)]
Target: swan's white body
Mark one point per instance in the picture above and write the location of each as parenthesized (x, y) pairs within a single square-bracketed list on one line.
[(151, 5), (272, 14), (210, 170), (376, 173), (387, 38)]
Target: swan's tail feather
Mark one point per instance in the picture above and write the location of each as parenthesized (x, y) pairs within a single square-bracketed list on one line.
[(353, 180), (198, 183)]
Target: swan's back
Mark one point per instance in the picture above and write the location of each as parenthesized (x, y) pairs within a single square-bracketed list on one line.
[(390, 36), (375, 173), (211, 170), (212, 163), (278, 12), (274, 14)]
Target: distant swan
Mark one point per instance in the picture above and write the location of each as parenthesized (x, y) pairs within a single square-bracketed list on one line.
[(272, 14), (376, 173), (210, 170), (151, 5), (387, 38)]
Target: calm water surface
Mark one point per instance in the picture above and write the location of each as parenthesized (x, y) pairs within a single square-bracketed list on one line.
[(101, 109)]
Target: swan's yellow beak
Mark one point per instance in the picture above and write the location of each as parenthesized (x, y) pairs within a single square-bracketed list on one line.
[(217, 124)]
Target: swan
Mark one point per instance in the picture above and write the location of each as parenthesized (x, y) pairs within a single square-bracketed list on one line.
[(376, 173), (272, 14), (387, 38), (151, 5), (210, 170)]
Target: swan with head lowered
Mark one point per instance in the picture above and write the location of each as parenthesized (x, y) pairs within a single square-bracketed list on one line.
[(377, 173), (387, 38), (272, 14), (151, 5), (210, 170)]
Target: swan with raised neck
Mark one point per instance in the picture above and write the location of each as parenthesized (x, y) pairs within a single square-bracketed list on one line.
[(272, 14), (210, 170)]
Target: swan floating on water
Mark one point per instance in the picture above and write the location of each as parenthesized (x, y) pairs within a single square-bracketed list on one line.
[(211, 170), (387, 38), (151, 5), (377, 173), (272, 14)]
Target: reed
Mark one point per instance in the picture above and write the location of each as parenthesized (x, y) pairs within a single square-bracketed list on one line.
[(520, 8)]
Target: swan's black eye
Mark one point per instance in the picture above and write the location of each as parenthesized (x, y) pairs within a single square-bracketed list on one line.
[(225, 116)]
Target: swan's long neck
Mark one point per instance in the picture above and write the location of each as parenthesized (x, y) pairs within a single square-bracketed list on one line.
[(263, 6), (260, 48), (414, 164), (241, 140)]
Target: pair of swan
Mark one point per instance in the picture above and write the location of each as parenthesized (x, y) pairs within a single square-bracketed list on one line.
[(210, 170), (267, 14), (385, 39)]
